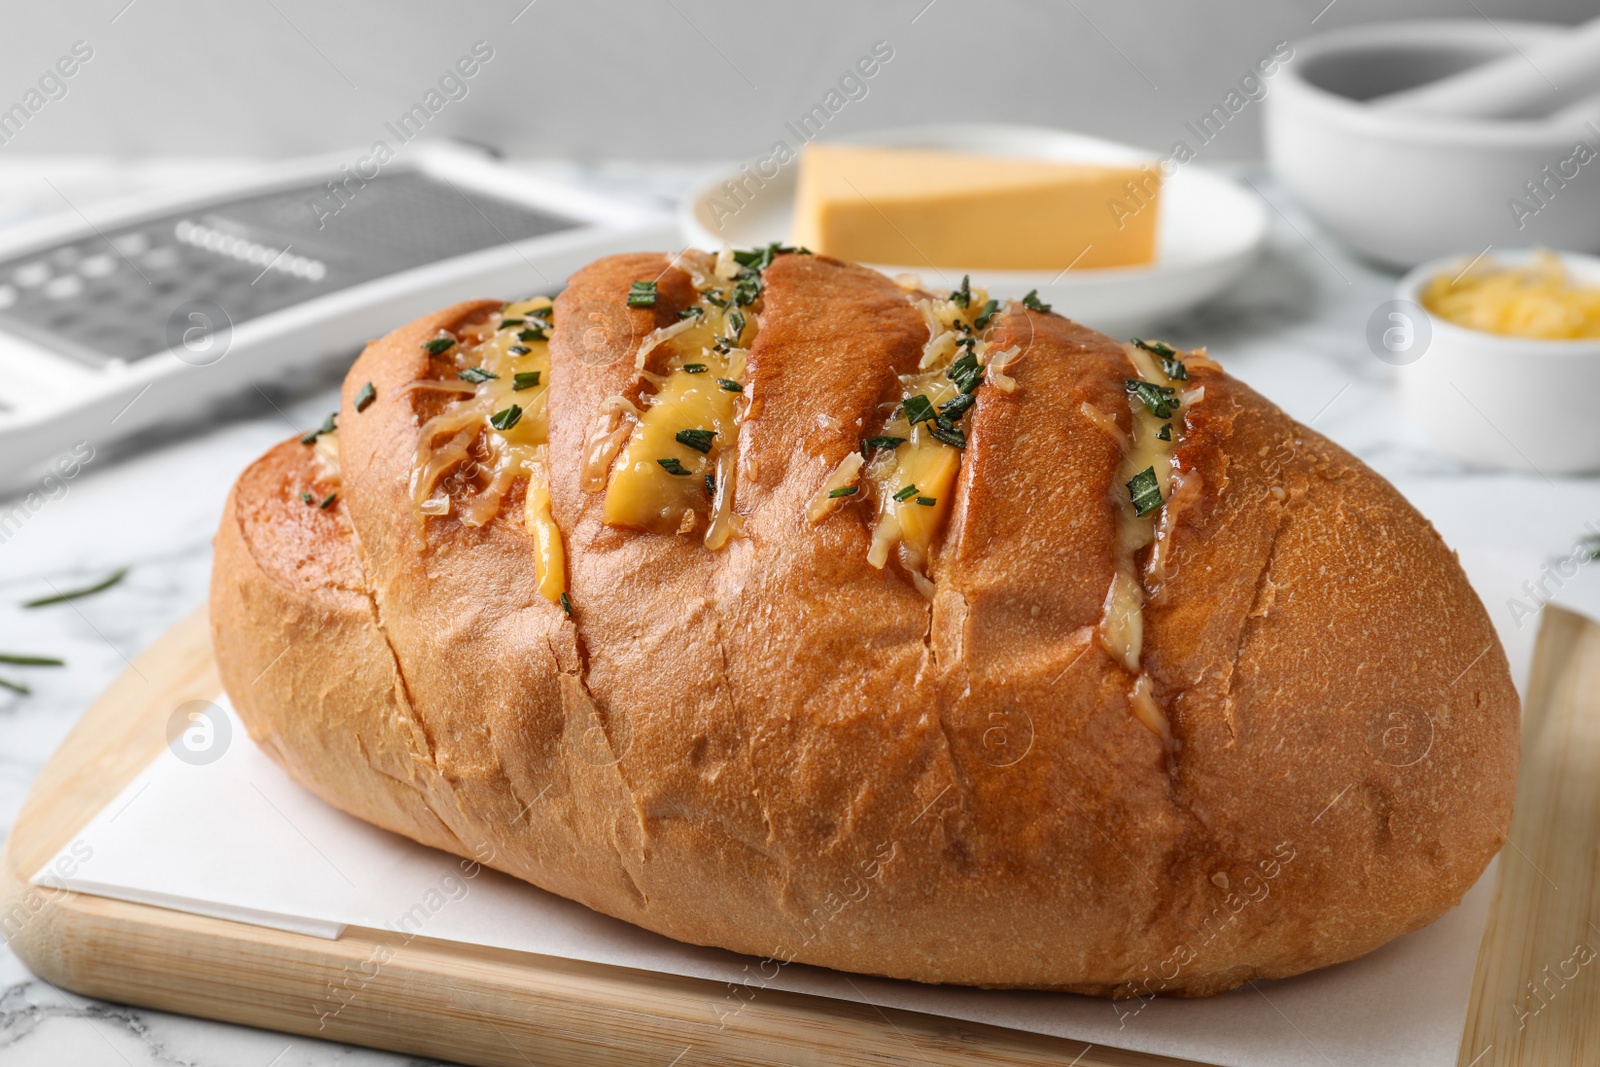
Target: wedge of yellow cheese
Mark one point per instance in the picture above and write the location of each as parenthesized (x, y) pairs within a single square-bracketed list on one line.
[(921, 208)]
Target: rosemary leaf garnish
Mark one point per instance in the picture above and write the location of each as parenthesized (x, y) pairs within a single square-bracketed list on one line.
[(642, 295), (988, 312), (329, 425), (476, 375), (957, 406), (843, 490), (713, 297), (1157, 398), (1165, 433), (526, 379), (761, 258), (736, 324), (307, 498), (533, 334), (672, 466), (691, 311), (962, 297), (73, 594), (927, 501), (15, 687), (1156, 348), (16, 659), (949, 435), (506, 324), (694, 368), (506, 418), (747, 290), (327, 501), (730, 385), (872, 445), (566, 604), (966, 372), (699, 440), (439, 345), (907, 493), (519, 350), (365, 397), (1144, 491), (1033, 303), (917, 408), (711, 485)]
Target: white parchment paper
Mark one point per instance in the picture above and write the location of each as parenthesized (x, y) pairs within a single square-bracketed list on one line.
[(235, 838)]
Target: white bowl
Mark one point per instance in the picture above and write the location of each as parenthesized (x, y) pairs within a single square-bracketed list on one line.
[(1402, 189), (1509, 403), (1208, 232)]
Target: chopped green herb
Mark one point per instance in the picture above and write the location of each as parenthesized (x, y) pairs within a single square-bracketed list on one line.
[(1033, 303), (966, 372), (694, 368), (476, 375), (439, 345), (872, 445), (691, 312), (1144, 491), (957, 406), (730, 385), (329, 425), (15, 687), (747, 290), (761, 258), (1165, 433), (949, 435), (962, 297), (736, 324), (73, 594), (988, 312), (506, 324), (566, 604), (327, 501), (524, 380), (713, 297), (907, 493), (917, 408), (672, 466), (1157, 398), (519, 350), (506, 418), (711, 484), (1156, 348), (365, 397), (1170, 363), (927, 501), (533, 334), (642, 295), (307, 498), (18, 660), (1175, 369), (699, 440), (843, 490)]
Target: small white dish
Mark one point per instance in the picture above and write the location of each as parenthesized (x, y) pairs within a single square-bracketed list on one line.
[(1508, 403), (1209, 229), (1404, 188)]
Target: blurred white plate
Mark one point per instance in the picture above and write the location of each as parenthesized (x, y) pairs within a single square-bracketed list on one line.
[(1209, 229)]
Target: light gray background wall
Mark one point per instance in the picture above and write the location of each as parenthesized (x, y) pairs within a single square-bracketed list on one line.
[(648, 78)]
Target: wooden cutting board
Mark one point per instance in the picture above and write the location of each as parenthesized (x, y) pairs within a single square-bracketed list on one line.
[(509, 1009)]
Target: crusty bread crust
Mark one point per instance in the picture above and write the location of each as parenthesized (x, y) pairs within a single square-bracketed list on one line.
[(779, 749)]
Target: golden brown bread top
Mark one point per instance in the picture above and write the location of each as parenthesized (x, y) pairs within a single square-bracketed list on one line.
[(716, 739)]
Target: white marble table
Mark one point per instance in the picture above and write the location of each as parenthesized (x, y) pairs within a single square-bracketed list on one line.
[(1294, 328)]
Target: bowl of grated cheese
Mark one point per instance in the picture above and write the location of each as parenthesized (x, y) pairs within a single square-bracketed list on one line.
[(1513, 336)]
